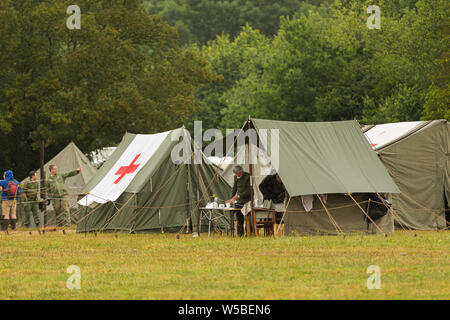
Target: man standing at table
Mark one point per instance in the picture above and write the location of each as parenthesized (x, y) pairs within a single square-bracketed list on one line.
[(241, 194), (57, 192)]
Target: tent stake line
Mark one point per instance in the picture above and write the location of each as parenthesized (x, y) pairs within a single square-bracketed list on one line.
[(379, 229)]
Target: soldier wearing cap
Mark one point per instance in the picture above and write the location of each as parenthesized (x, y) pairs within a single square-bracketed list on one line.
[(30, 193), (57, 192)]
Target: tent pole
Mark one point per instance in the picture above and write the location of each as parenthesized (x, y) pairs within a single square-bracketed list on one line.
[(198, 199), (188, 197), (333, 221), (86, 209), (42, 182), (284, 213), (252, 196)]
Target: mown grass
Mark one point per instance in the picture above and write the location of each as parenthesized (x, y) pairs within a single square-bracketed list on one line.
[(163, 267)]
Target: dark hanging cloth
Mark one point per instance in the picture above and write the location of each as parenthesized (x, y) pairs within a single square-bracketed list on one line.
[(376, 207)]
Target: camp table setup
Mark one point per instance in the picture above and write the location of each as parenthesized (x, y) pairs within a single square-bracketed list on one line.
[(213, 214), (266, 218), (259, 217)]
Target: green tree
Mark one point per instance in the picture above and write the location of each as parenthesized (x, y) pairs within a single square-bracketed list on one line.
[(232, 61), (408, 61), (200, 21), (325, 64), (309, 73), (437, 99), (123, 71)]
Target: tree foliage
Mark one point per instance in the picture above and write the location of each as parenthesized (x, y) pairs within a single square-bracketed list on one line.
[(326, 64), (122, 71), (200, 21)]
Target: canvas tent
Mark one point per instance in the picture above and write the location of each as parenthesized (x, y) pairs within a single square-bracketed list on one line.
[(144, 187), (70, 158), (331, 158), (416, 154)]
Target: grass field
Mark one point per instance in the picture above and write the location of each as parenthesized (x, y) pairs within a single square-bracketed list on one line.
[(163, 267)]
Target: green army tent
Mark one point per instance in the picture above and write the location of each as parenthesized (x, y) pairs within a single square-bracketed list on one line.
[(70, 158), (417, 156), (332, 159), (145, 187)]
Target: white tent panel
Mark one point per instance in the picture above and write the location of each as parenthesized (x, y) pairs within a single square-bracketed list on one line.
[(114, 183), (383, 134)]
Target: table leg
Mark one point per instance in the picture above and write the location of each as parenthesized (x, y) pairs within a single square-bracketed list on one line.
[(209, 224), (254, 223), (232, 223), (274, 223), (214, 226)]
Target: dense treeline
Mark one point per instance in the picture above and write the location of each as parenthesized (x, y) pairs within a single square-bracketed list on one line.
[(200, 21), (218, 61), (326, 64), (122, 71)]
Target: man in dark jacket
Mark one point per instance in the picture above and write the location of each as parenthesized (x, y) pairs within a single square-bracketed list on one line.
[(273, 189), (10, 190), (241, 194)]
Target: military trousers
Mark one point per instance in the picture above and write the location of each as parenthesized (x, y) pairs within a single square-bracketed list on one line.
[(62, 212), (32, 209)]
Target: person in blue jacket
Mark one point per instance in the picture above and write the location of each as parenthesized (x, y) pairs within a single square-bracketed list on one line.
[(10, 192)]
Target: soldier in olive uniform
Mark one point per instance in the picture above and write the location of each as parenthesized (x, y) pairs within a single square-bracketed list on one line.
[(30, 193), (241, 193), (57, 192)]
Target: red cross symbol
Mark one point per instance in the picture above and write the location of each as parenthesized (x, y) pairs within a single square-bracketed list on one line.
[(127, 169)]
